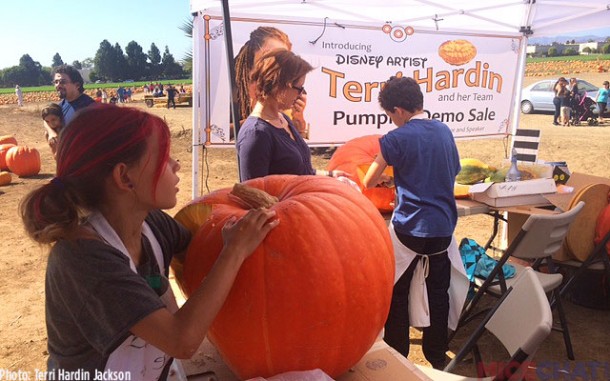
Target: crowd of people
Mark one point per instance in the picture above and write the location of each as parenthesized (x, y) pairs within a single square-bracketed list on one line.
[(106, 281), (568, 103)]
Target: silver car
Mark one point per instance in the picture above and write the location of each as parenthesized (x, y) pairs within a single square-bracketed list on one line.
[(539, 96)]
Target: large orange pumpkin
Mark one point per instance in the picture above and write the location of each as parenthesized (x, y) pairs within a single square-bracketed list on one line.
[(8, 139), (361, 152), (315, 293), (3, 150), (23, 161)]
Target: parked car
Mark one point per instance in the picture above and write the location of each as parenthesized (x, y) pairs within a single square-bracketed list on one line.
[(539, 96)]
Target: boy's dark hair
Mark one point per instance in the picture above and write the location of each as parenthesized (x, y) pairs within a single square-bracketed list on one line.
[(52, 109), (71, 72), (401, 92)]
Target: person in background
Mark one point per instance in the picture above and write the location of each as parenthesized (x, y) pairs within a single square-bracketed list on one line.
[(566, 110), (69, 86), (171, 96), (268, 142), (425, 159), (104, 96), (54, 118), (19, 94), (262, 40), (109, 304), (560, 91), (98, 95), (602, 99), (574, 94)]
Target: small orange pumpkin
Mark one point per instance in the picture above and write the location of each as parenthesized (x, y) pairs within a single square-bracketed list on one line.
[(23, 161), (5, 178), (8, 139), (315, 293), (360, 152), (3, 150)]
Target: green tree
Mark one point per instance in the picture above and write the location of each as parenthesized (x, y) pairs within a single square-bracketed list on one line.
[(88, 63), (136, 61), (16, 75), (570, 52), (77, 65), (552, 52), (187, 60), (104, 60), (57, 61), (154, 59), (171, 69), (120, 66), (33, 71), (606, 49), (587, 50)]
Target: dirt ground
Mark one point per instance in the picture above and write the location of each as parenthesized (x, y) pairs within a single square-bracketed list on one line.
[(22, 262)]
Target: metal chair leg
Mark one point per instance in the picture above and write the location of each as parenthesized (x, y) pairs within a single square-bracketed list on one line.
[(564, 324)]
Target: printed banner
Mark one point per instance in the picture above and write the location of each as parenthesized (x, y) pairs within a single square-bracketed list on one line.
[(467, 80)]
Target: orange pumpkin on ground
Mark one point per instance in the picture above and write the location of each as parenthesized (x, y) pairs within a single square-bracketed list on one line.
[(5, 178), (3, 150), (315, 293), (23, 161), (8, 139), (360, 152)]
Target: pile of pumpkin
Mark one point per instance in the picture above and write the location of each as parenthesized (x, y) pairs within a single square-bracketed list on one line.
[(17, 159), (29, 97), (569, 67)]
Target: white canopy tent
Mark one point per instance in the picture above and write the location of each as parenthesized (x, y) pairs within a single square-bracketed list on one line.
[(520, 19)]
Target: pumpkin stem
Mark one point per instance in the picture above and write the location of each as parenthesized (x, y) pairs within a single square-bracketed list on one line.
[(252, 197)]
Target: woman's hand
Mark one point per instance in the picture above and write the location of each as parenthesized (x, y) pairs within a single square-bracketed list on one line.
[(244, 235), (297, 114)]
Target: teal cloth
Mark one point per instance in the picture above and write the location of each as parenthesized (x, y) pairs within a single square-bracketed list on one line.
[(478, 264)]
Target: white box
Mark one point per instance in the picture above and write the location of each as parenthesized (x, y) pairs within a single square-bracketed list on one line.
[(527, 192)]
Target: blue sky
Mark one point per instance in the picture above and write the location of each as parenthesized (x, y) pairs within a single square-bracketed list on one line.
[(75, 28)]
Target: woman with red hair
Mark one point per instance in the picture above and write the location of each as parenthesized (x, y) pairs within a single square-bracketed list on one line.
[(109, 306)]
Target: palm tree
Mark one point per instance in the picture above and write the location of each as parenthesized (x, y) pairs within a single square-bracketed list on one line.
[(187, 60)]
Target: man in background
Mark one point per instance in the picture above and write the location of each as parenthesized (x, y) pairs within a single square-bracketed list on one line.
[(69, 86)]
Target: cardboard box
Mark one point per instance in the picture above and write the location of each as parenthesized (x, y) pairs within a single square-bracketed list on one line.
[(527, 192), (559, 201), (383, 363), (380, 363)]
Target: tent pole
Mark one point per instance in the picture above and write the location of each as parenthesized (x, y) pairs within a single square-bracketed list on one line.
[(231, 62), (197, 88)]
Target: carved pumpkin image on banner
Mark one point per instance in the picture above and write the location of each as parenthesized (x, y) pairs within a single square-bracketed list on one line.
[(315, 293)]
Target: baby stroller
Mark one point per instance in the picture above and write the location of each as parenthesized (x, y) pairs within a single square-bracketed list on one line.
[(582, 110)]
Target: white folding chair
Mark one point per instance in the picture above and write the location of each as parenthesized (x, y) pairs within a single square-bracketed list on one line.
[(539, 238), (521, 320)]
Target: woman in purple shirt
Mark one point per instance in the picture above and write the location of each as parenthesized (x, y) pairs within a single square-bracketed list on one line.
[(268, 142)]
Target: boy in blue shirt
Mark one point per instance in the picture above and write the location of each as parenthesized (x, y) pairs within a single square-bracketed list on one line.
[(425, 159)]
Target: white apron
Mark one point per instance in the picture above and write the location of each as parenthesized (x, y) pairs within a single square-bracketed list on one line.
[(419, 312), (143, 361)]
